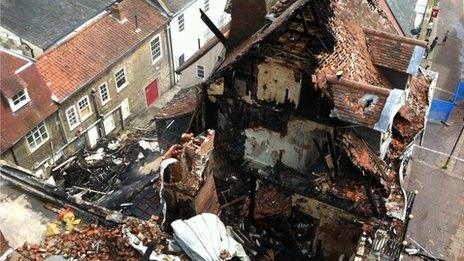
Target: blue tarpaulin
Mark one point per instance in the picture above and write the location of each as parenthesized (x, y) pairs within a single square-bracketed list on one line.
[(459, 96), (440, 110)]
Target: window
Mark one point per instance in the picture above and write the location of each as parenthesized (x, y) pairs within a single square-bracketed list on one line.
[(181, 22), (200, 71), (37, 137), (71, 115), (222, 20), (155, 45), (206, 5), (83, 106), (181, 60), (19, 100), (120, 77), (125, 110), (207, 35), (104, 94)]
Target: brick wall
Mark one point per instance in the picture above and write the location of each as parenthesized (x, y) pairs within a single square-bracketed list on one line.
[(30, 159), (140, 72)]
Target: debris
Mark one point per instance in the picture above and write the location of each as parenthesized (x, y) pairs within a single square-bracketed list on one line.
[(97, 156), (204, 237), (113, 145), (96, 242), (146, 145), (137, 244)]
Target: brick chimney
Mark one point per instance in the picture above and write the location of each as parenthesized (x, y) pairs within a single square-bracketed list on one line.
[(118, 13), (247, 19)]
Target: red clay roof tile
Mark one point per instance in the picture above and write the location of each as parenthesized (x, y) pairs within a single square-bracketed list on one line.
[(16, 125), (83, 57)]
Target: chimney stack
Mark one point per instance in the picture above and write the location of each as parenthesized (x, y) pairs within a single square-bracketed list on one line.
[(248, 16), (118, 13)]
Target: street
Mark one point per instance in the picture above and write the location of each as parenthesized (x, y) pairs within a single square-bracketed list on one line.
[(438, 223)]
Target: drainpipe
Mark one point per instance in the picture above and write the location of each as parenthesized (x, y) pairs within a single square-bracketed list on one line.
[(171, 57), (14, 156), (93, 94), (63, 132)]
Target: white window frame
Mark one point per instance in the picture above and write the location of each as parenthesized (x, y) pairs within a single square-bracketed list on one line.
[(154, 60), (42, 140), (181, 22), (203, 69), (206, 5), (15, 107), (104, 102), (125, 104), (120, 88), (79, 109), (72, 126)]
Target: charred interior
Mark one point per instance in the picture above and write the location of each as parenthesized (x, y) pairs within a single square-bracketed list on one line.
[(297, 141)]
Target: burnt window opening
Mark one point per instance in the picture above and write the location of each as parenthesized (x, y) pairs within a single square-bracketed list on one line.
[(368, 101)]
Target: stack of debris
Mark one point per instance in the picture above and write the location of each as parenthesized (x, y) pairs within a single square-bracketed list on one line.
[(114, 167), (99, 242)]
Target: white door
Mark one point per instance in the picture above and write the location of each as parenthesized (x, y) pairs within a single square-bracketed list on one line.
[(93, 136), (109, 124), (125, 110)]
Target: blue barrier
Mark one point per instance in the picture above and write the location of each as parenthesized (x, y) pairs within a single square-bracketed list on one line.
[(440, 110), (459, 96)]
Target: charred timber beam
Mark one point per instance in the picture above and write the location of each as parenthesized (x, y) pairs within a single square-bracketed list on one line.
[(306, 27), (310, 58), (332, 151), (370, 196), (213, 28), (25, 181)]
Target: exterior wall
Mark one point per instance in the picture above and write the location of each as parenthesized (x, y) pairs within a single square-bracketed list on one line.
[(189, 77), (296, 149), (42, 156), (140, 71), (11, 41), (186, 42)]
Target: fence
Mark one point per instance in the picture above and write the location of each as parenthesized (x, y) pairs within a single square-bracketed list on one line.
[(441, 110)]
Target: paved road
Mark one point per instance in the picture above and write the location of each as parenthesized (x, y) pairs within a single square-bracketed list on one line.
[(438, 223)]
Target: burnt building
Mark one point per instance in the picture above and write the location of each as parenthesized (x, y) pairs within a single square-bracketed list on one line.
[(313, 112)]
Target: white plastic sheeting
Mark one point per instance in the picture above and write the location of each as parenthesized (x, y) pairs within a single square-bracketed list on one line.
[(164, 164), (204, 238)]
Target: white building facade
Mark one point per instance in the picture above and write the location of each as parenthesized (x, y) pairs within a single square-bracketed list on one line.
[(188, 33)]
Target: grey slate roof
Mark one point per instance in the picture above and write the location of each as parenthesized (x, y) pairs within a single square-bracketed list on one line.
[(404, 11), (43, 22), (173, 6)]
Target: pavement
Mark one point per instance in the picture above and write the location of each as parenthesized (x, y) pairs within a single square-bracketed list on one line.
[(146, 118), (438, 223)]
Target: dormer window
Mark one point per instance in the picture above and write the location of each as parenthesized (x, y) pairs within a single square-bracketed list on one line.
[(19, 100)]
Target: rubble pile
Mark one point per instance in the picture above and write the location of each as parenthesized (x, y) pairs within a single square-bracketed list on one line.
[(410, 119), (99, 242), (97, 173)]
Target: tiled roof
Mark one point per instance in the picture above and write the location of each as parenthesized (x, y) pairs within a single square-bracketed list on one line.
[(350, 56), (367, 13), (356, 102), (15, 125), (173, 6), (405, 13), (46, 21), (94, 49), (393, 51)]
